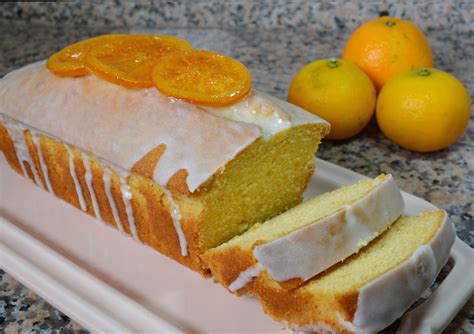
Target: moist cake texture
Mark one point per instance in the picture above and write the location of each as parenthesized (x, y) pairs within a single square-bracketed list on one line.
[(372, 288), (307, 239)]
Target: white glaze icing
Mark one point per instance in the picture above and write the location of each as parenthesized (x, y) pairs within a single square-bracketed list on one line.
[(13, 133), (320, 328), (297, 115), (121, 125), (88, 177), (16, 132), (272, 115), (176, 216), (77, 185), (27, 156), (308, 251), (257, 110), (110, 198), (127, 197), (384, 299), (43, 166), (246, 277)]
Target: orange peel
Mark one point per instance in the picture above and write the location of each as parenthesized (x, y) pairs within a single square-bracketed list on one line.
[(202, 77), (128, 60), (69, 62)]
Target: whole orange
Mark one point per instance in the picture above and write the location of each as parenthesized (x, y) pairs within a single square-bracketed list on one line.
[(387, 46), (337, 91), (423, 110)]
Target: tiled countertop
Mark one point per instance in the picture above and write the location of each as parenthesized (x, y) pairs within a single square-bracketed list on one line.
[(273, 56)]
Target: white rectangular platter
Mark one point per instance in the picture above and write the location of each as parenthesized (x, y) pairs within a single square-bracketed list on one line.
[(109, 283)]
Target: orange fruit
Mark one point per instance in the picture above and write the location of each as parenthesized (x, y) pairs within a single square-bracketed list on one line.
[(128, 60), (423, 110), (337, 91), (69, 62), (202, 77), (387, 46)]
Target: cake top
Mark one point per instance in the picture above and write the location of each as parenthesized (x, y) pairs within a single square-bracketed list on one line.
[(121, 124), (168, 63)]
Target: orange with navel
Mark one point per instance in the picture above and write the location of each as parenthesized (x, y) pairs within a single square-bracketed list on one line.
[(128, 60), (387, 46), (202, 77)]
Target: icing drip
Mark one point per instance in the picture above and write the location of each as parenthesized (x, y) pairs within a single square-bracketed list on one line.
[(245, 277), (44, 168), (411, 277), (319, 327), (127, 197), (315, 247), (29, 159), (72, 170), (13, 132), (22, 153), (88, 177), (110, 198), (255, 109), (176, 216)]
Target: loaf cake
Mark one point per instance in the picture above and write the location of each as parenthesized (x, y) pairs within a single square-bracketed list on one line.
[(372, 288), (128, 129), (307, 239), (178, 176)]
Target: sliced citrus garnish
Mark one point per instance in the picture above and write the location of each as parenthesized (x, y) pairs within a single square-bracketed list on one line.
[(69, 62), (128, 60), (202, 77)]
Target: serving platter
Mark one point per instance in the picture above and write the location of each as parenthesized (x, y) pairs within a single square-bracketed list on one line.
[(107, 282)]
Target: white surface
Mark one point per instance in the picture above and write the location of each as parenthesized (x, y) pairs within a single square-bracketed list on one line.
[(107, 282)]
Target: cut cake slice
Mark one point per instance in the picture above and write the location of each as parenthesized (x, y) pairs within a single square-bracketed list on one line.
[(304, 241), (371, 289)]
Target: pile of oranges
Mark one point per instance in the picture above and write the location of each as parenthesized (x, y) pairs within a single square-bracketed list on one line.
[(168, 63), (418, 107)]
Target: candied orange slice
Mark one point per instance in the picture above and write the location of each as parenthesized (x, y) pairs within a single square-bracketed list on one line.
[(202, 77), (69, 62), (128, 61)]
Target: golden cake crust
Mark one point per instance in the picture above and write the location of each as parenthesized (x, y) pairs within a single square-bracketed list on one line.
[(150, 207), (291, 306), (151, 210)]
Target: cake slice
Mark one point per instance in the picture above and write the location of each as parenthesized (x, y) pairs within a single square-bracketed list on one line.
[(302, 242), (371, 289)]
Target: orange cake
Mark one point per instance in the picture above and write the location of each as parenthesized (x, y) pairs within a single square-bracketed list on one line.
[(173, 147), (181, 170), (372, 288), (307, 239)]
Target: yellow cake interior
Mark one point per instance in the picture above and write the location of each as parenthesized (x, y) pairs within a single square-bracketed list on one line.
[(335, 291), (266, 179), (393, 247), (304, 214)]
